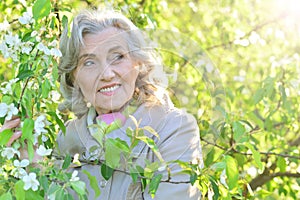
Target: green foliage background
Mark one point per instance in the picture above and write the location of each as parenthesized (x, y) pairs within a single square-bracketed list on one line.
[(253, 141)]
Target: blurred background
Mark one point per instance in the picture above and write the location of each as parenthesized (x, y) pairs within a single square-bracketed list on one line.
[(235, 66)]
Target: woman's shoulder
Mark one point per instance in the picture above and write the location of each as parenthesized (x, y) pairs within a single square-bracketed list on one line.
[(171, 113), (168, 118)]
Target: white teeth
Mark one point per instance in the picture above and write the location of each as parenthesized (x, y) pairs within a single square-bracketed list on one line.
[(109, 89)]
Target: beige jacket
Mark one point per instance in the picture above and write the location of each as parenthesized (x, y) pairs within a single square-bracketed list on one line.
[(179, 140)]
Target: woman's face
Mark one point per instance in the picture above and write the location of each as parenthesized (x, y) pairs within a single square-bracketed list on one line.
[(106, 74)]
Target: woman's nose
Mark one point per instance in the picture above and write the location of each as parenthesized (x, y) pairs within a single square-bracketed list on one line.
[(107, 74)]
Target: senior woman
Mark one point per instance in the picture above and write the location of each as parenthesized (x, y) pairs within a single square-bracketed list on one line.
[(107, 72)]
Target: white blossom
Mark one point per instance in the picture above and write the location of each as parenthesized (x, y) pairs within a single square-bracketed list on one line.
[(8, 110), (19, 172), (30, 182), (3, 109), (56, 52), (26, 18), (4, 50), (26, 47), (43, 48), (23, 2), (11, 46), (13, 55), (40, 123), (42, 151), (74, 176), (33, 33), (8, 86), (38, 38), (53, 43), (23, 163), (4, 25), (55, 96), (44, 138), (9, 152), (12, 40)]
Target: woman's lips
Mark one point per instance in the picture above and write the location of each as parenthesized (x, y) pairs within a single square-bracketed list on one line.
[(109, 89)]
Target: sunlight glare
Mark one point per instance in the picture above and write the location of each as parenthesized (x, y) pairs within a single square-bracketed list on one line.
[(290, 7)]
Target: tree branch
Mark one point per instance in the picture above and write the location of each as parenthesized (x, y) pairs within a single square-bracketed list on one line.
[(267, 176), (250, 154), (256, 28)]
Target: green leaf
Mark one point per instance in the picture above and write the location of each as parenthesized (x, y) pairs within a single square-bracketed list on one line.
[(79, 187), (27, 129), (6, 99), (112, 153), (219, 166), (193, 177), (5, 136), (53, 188), (44, 183), (46, 87), (67, 162), (253, 116), (256, 156), (122, 145), (232, 172), (30, 150), (209, 158), (214, 187), (27, 36), (151, 144), (154, 183), (30, 195), (144, 182), (136, 123), (59, 194), (140, 170), (134, 174), (151, 130), (269, 86), (281, 163), (6, 196), (268, 124), (106, 171), (25, 74), (41, 8), (114, 126), (150, 169), (239, 132), (58, 121), (19, 191), (68, 196), (93, 183), (55, 72), (258, 96)]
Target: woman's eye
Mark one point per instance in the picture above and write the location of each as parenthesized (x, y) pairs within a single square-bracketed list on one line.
[(88, 63), (117, 57)]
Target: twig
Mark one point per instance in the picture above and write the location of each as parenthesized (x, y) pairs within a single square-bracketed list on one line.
[(250, 154), (257, 27)]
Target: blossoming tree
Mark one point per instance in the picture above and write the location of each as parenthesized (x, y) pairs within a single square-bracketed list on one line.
[(29, 48)]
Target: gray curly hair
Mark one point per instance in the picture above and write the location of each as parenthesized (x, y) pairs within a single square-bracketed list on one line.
[(151, 77)]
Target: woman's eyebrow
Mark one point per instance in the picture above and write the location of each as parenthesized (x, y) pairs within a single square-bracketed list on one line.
[(87, 55), (116, 48)]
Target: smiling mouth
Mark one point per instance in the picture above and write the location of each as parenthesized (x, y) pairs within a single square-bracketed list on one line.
[(109, 89)]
